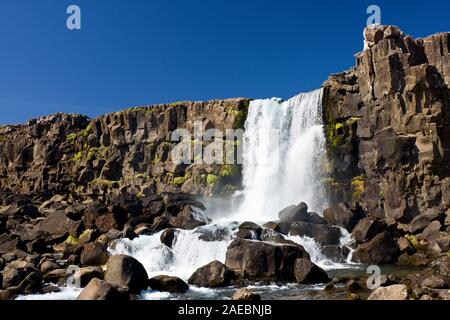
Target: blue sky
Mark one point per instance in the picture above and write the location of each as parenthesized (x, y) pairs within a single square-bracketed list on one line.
[(138, 52)]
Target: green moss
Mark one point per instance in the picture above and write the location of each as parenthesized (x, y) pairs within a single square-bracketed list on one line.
[(178, 181), (357, 187), (71, 138), (71, 240), (239, 116), (77, 157), (229, 170), (212, 180), (420, 247), (106, 183)]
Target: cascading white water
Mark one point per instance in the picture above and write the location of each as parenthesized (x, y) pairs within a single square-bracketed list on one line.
[(190, 250), (284, 150)]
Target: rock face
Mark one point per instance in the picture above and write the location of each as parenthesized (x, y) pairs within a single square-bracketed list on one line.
[(129, 149), (387, 123)]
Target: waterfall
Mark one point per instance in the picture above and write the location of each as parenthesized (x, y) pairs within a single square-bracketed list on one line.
[(284, 153)]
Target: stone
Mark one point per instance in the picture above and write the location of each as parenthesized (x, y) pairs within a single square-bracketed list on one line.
[(94, 254), (189, 218), (15, 272), (126, 271), (168, 236), (382, 249), (47, 266), (366, 229), (168, 284), (307, 272), (432, 232), (245, 294), (256, 260), (393, 292), (101, 290), (84, 275), (214, 274), (323, 234), (249, 230), (417, 259), (345, 215)]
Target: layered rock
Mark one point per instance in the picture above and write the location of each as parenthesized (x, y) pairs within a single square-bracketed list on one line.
[(387, 123), (123, 150)]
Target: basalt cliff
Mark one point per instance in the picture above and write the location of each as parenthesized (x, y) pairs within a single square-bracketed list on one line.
[(70, 185)]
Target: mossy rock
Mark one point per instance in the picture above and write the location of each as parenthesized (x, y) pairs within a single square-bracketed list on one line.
[(212, 180)]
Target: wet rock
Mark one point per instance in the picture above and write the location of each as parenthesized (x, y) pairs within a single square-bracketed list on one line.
[(168, 283), (189, 218), (323, 234), (307, 272), (249, 230), (168, 236), (101, 290), (246, 295), (382, 249), (125, 271), (394, 292), (273, 226), (336, 253), (214, 274), (84, 275), (257, 260), (94, 254)]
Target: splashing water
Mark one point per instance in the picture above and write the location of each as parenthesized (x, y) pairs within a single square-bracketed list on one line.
[(190, 250), (284, 150)]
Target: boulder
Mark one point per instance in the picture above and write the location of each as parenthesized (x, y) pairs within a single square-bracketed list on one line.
[(245, 294), (366, 229), (344, 215), (323, 234), (272, 226), (422, 221), (15, 272), (336, 253), (256, 260), (249, 230), (126, 271), (214, 274), (393, 292), (57, 226), (307, 272), (382, 249), (293, 213), (101, 290), (47, 266), (94, 254), (168, 284), (189, 218), (84, 275), (432, 232), (168, 236)]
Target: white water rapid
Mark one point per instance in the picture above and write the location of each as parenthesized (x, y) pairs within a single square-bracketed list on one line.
[(284, 154)]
